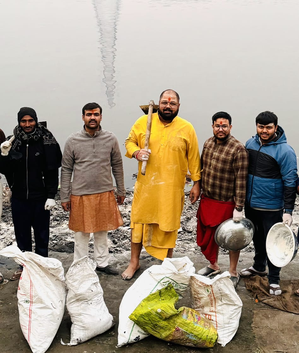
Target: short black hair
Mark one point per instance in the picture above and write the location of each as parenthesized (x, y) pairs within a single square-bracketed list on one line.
[(176, 93), (266, 118), (91, 106), (222, 115)]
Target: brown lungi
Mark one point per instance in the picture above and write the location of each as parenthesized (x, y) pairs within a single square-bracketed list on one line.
[(94, 213)]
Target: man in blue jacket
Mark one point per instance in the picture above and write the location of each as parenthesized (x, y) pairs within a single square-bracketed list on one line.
[(271, 190)]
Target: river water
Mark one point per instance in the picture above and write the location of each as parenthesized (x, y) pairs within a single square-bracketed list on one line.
[(240, 56)]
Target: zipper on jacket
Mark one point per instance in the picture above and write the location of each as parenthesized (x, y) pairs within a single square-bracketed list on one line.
[(27, 182), (253, 174), (43, 179)]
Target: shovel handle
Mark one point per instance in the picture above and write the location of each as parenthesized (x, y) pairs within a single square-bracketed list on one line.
[(148, 133), (11, 139)]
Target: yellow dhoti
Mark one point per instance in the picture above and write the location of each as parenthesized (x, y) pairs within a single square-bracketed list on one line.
[(155, 241)]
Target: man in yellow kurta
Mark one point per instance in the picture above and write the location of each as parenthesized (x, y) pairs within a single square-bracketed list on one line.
[(159, 194)]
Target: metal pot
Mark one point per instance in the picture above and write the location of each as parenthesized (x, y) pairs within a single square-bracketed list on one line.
[(234, 235), (281, 244)]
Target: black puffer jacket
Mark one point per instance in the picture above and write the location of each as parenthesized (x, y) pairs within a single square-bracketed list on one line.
[(28, 174)]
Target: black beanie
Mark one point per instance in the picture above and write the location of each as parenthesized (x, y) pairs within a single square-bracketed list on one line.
[(27, 111)]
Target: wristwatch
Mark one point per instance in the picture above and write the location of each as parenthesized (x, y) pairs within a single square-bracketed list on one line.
[(239, 208)]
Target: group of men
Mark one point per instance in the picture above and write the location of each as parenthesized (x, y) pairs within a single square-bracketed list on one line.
[(229, 178)]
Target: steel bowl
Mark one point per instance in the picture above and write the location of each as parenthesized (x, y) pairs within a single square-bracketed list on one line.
[(234, 235), (281, 244)]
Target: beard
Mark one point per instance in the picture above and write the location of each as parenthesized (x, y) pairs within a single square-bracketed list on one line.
[(221, 138), (167, 114)]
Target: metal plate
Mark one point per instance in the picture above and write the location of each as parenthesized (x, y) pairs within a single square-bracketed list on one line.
[(231, 235), (281, 244)]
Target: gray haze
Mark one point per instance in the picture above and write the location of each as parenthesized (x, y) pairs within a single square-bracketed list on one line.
[(239, 56)]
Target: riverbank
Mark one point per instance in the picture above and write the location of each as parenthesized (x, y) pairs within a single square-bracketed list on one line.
[(62, 240)]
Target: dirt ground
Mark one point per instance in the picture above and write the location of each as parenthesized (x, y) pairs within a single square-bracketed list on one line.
[(261, 329)]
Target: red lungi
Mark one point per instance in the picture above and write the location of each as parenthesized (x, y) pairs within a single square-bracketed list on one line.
[(209, 215)]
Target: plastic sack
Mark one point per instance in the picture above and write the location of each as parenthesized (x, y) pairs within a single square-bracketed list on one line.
[(157, 315), (85, 303), (176, 271), (41, 297), (218, 301)]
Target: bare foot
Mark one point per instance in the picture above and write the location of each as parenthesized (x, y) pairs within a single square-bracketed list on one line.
[(129, 272)]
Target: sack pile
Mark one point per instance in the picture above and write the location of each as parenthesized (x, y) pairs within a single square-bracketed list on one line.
[(176, 271), (157, 315), (42, 296), (148, 306)]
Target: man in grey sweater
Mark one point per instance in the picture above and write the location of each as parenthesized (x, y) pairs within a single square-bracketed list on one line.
[(89, 156)]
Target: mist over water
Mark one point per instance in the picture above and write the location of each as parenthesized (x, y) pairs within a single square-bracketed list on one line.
[(238, 56)]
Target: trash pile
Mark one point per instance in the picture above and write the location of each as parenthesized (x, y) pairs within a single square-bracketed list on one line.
[(157, 315), (147, 307)]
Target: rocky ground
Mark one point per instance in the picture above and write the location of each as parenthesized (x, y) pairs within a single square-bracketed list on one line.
[(61, 238)]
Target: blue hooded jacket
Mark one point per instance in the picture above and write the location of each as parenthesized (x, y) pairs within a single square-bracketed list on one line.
[(272, 173)]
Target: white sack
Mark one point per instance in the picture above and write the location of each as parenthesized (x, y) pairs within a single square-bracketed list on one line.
[(85, 303), (41, 297), (218, 301), (176, 271)]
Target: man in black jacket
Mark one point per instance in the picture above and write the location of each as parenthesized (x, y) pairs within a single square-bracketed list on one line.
[(30, 161)]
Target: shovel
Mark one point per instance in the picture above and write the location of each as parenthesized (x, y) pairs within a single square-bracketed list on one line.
[(11, 139), (148, 109)]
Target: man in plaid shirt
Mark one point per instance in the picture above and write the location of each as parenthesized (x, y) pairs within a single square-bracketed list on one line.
[(223, 184)]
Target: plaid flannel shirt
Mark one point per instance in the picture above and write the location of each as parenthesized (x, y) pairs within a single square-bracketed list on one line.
[(225, 169)]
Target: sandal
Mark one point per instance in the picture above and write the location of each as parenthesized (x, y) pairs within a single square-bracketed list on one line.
[(247, 272), (208, 272), (235, 280), (275, 289), (297, 292), (16, 276)]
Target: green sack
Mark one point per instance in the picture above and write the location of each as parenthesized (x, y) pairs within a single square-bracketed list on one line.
[(157, 315)]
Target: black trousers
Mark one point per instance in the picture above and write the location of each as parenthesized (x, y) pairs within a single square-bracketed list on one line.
[(263, 221), (27, 214)]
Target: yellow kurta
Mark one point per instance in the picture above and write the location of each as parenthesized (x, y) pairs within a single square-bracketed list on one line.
[(159, 194)]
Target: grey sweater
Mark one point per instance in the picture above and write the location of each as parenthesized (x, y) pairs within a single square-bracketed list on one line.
[(90, 159)]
